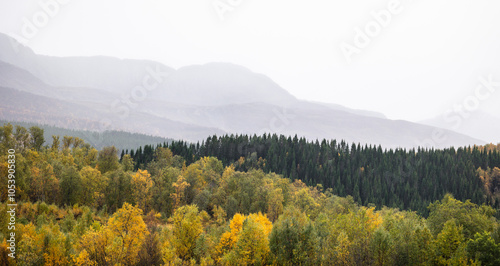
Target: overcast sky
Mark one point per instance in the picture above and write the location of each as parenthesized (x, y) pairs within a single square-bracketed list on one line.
[(426, 57)]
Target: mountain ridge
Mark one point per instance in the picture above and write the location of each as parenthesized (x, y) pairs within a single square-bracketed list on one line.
[(196, 101)]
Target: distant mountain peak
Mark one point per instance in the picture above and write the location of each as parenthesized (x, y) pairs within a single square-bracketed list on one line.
[(224, 83)]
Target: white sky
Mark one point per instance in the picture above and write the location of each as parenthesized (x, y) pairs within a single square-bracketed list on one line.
[(428, 58)]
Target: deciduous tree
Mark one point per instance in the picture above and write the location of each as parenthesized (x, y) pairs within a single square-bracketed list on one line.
[(128, 232), (187, 229)]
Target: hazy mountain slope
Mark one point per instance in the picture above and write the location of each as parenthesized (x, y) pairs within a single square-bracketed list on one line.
[(17, 78), (222, 83), (210, 84), (349, 110), (479, 125), (20, 79), (100, 72), (22, 106), (313, 122)]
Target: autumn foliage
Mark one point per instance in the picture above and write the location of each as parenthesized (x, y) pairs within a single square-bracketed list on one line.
[(80, 206)]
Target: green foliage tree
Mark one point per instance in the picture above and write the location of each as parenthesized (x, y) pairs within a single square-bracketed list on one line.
[(119, 189), (22, 139), (127, 163), (37, 139), (448, 241), (107, 160), (163, 188), (70, 185), (55, 143), (484, 249), (382, 246), (6, 138), (471, 217), (93, 186), (187, 229), (293, 240)]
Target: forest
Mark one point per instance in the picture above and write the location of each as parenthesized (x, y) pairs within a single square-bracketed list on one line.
[(236, 200), (401, 178)]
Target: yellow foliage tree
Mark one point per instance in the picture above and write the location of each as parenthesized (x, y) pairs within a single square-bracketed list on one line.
[(44, 184), (128, 232), (4, 253), (341, 250), (262, 219), (93, 247), (54, 248), (141, 188), (219, 215), (229, 239), (30, 246), (252, 245), (228, 171), (180, 192), (83, 259)]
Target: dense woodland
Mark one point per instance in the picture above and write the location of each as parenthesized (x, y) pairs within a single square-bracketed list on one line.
[(241, 201), (404, 179)]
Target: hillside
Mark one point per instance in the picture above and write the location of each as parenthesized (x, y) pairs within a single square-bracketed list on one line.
[(121, 140), (478, 124), (27, 107)]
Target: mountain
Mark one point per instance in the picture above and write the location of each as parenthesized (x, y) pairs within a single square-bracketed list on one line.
[(23, 106), (477, 124), (221, 83), (210, 84), (190, 103), (20, 79), (99, 72), (314, 123), (353, 111)]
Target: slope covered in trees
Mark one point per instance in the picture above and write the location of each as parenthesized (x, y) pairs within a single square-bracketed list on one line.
[(120, 139), (81, 206), (406, 179)]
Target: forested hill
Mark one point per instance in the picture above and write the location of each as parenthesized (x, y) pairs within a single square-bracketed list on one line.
[(120, 139), (406, 179)]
